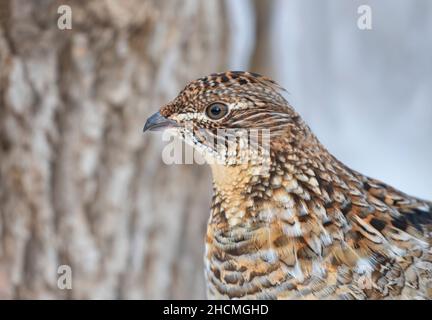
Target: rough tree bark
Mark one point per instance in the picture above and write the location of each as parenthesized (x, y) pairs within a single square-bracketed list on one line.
[(79, 183)]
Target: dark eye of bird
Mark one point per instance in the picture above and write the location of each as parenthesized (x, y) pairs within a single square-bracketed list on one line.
[(216, 111)]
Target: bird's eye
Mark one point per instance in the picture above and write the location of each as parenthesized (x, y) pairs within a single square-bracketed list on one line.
[(216, 111)]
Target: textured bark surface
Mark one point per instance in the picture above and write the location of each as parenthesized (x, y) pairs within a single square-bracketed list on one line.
[(79, 182)]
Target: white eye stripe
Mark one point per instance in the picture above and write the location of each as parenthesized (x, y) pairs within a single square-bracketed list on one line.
[(236, 119), (238, 106)]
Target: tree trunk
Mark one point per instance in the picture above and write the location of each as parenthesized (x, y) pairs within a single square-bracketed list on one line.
[(80, 185)]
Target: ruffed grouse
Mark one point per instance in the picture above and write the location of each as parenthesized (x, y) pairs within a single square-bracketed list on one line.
[(301, 224)]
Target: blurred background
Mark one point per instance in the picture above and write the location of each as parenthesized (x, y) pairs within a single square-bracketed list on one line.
[(80, 185)]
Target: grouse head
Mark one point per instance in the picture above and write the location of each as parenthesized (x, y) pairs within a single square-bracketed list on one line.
[(232, 117)]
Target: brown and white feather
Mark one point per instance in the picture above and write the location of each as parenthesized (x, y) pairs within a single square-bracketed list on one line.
[(309, 227)]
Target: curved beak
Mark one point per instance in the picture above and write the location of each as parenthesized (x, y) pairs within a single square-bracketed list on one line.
[(158, 122)]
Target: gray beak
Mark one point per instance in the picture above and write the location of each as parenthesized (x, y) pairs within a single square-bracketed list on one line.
[(158, 122)]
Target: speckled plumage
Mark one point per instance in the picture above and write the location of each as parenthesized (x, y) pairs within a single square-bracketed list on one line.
[(307, 227)]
